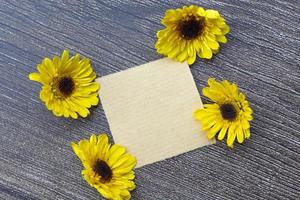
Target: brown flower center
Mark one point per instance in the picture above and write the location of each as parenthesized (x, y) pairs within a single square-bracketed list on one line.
[(66, 86), (102, 169), (228, 111), (191, 28)]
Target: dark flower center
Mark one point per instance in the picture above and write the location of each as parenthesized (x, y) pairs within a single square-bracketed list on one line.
[(66, 86), (191, 28), (103, 170), (228, 111)]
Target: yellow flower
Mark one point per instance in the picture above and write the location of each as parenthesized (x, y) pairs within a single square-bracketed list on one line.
[(230, 114), (68, 85), (107, 167), (191, 31)]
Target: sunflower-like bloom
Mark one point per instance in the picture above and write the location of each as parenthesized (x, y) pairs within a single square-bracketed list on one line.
[(68, 85), (230, 114), (191, 31), (107, 167)]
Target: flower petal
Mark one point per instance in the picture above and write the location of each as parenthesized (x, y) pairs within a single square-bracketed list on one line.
[(212, 14), (231, 135)]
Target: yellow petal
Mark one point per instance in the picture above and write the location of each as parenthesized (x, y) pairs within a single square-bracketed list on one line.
[(93, 139), (206, 51), (215, 30), (125, 194), (65, 56), (82, 101), (213, 44), (213, 106), (84, 145), (35, 77), (66, 112), (240, 134), (225, 30), (80, 108), (85, 71), (191, 59), (221, 38), (201, 11), (73, 114), (104, 147), (245, 124), (45, 93), (173, 53), (223, 132), (75, 148), (122, 170), (214, 95), (212, 14), (247, 133), (211, 81), (93, 99), (102, 139), (198, 114), (125, 161), (105, 194), (209, 124), (213, 131), (231, 135), (208, 117), (49, 67), (115, 155)]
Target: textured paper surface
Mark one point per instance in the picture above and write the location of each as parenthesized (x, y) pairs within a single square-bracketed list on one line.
[(150, 108)]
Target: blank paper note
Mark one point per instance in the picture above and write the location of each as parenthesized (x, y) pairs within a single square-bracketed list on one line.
[(150, 108)]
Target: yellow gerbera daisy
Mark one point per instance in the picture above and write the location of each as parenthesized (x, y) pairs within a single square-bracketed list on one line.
[(229, 114), (68, 85), (108, 167), (191, 31)]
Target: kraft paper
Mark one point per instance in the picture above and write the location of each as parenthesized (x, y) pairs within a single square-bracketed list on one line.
[(150, 108)]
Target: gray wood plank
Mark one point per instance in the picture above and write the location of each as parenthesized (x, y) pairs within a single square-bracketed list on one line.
[(262, 57)]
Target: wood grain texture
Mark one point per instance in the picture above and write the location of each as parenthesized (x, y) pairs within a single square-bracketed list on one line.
[(261, 56)]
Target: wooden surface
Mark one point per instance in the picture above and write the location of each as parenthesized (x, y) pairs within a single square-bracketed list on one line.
[(261, 56)]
